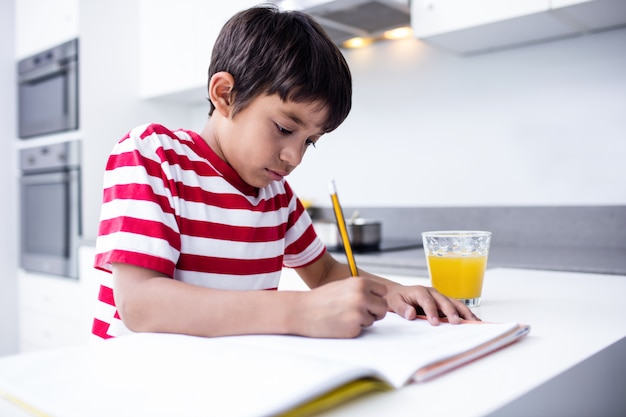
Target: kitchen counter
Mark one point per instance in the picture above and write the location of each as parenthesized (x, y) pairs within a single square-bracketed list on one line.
[(413, 262), (580, 239), (573, 362)]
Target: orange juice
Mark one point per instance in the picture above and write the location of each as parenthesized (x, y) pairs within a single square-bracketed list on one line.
[(458, 276)]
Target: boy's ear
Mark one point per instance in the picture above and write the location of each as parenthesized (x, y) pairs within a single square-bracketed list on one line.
[(220, 88)]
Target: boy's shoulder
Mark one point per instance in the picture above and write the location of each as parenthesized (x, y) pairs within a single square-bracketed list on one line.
[(158, 135), (148, 129)]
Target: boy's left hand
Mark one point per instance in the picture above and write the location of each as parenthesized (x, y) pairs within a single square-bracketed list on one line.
[(409, 301)]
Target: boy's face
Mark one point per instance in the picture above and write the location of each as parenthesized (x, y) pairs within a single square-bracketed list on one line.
[(266, 140)]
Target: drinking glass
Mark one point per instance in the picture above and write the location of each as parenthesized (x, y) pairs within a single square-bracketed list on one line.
[(456, 261)]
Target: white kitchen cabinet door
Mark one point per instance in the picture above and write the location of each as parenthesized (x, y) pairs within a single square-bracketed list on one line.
[(562, 3), (43, 24), (474, 26), (53, 312), (591, 15), (46, 331), (471, 26), (176, 41), (434, 17), (56, 311), (166, 45)]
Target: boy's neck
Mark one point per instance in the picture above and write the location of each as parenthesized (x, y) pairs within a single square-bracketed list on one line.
[(208, 133)]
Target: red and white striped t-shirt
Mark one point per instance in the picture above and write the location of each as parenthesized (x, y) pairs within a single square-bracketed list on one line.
[(172, 205)]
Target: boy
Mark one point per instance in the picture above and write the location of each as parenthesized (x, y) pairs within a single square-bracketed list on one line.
[(196, 228)]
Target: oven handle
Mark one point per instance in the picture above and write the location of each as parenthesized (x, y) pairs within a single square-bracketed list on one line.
[(45, 178), (43, 73)]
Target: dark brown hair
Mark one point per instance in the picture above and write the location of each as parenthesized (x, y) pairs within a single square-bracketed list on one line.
[(268, 51)]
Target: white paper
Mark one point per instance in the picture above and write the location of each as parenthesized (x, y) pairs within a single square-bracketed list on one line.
[(175, 375)]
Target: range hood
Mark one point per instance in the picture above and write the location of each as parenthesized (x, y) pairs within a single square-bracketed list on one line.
[(346, 19)]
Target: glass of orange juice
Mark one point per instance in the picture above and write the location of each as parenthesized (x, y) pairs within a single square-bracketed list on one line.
[(456, 263)]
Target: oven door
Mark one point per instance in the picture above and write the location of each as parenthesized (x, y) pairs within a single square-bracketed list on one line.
[(48, 99), (50, 222)]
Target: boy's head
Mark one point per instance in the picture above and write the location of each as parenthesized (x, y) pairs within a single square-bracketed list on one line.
[(285, 53)]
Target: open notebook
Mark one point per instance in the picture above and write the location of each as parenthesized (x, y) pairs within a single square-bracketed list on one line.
[(166, 375)]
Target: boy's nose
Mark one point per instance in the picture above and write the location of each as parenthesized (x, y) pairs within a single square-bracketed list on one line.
[(292, 154)]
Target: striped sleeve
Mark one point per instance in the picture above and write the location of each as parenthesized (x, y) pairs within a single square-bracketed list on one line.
[(138, 224)]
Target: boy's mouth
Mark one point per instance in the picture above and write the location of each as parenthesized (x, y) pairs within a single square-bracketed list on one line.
[(277, 175)]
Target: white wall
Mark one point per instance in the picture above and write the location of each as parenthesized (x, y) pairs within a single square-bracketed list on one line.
[(538, 125), (109, 47), (8, 172)]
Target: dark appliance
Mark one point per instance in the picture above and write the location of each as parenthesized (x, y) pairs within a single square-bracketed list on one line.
[(50, 208), (48, 91)]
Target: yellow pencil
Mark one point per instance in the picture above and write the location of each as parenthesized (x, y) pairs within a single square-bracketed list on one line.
[(343, 230)]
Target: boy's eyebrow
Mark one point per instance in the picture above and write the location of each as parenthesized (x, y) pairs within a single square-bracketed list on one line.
[(298, 121), (294, 117)]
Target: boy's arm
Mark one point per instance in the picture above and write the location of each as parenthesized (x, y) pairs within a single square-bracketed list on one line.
[(407, 301), (151, 302)]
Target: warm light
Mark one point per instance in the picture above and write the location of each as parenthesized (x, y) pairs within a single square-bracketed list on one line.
[(398, 33), (393, 34), (357, 42)]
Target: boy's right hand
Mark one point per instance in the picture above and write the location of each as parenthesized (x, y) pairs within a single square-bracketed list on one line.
[(340, 309)]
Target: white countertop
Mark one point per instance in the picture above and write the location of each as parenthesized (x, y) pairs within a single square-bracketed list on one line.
[(574, 316)]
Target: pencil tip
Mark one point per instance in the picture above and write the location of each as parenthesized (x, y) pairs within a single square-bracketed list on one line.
[(331, 187)]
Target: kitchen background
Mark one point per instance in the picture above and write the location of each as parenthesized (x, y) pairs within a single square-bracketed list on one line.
[(535, 125)]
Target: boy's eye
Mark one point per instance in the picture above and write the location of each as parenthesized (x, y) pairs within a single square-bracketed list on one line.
[(309, 142), (283, 131)]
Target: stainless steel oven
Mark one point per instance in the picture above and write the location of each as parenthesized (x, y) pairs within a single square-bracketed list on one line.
[(48, 91), (50, 208)]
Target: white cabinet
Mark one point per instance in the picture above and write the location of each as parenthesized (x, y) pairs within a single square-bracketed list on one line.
[(56, 311), (50, 312), (591, 15), (42, 24), (168, 46), (562, 3), (176, 41), (470, 26), (434, 17)]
